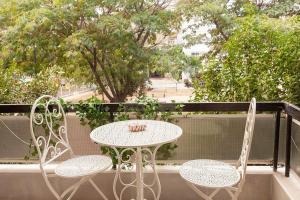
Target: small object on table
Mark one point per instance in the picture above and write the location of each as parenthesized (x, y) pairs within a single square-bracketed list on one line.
[(136, 127)]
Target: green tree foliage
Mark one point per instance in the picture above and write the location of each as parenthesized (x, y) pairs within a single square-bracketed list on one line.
[(173, 60), (16, 88), (108, 42), (278, 8), (220, 17), (261, 59), (254, 49)]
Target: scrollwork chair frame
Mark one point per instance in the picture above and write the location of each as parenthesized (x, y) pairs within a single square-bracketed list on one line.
[(241, 165), (48, 113)]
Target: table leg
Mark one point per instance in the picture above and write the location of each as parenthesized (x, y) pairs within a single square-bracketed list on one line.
[(118, 177), (152, 163), (139, 175), (117, 174), (141, 156)]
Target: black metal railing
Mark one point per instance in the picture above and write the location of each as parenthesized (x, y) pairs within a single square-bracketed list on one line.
[(292, 112)]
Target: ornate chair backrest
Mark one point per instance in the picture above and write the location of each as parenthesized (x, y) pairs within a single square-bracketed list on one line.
[(248, 135), (48, 127)]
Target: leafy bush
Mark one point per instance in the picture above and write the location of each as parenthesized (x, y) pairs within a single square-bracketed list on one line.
[(260, 59), (16, 87), (90, 113)]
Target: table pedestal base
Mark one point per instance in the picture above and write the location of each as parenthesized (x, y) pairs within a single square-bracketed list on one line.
[(141, 156)]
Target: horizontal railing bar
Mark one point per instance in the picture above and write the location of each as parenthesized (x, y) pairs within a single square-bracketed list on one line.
[(15, 108), (292, 110), (165, 107)]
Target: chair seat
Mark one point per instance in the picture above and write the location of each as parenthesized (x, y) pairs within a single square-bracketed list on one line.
[(83, 166), (210, 173)]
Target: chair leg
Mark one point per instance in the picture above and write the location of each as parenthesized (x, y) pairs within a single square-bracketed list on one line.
[(97, 189), (214, 192), (199, 192), (69, 189), (51, 188), (73, 188), (73, 192), (233, 195)]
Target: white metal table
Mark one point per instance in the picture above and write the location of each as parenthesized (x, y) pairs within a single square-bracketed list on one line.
[(155, 135)]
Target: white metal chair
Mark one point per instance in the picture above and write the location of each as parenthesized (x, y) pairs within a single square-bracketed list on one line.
[(48, 128), (217, 175)]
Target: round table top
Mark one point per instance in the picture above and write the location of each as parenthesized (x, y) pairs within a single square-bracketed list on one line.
[(117, 134)]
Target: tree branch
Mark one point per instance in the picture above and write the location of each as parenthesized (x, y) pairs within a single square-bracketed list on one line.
[(102, 66), (140, 33), (145, 38), (220, 30), (115, 82), (109, 82), (96, 75)]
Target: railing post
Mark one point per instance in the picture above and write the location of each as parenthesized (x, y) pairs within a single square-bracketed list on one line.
[(111, 116), (276, 141), (288, 145)]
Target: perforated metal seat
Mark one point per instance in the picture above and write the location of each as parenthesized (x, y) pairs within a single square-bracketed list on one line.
[(83, 166), (210, 173)]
